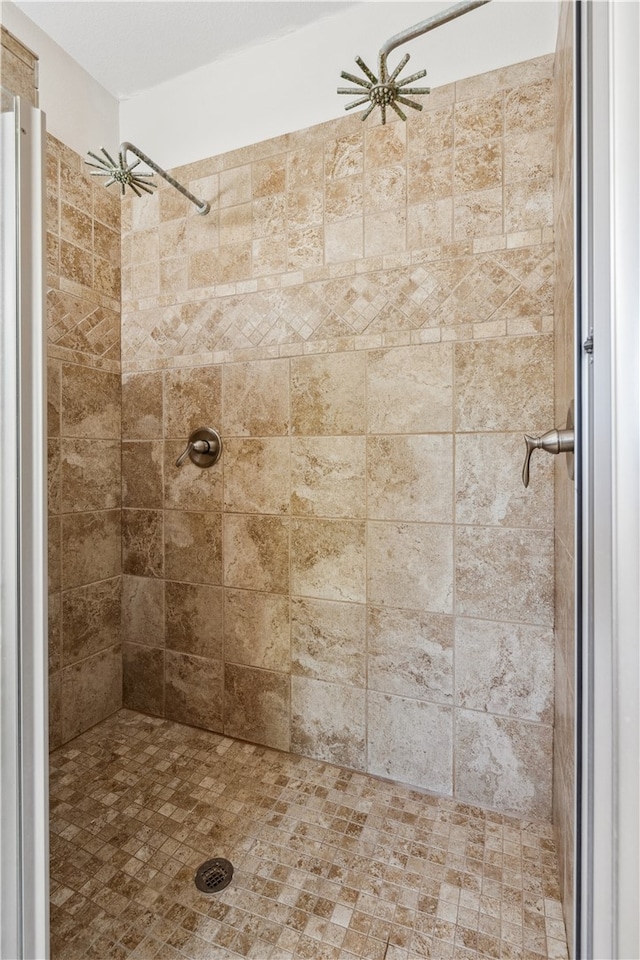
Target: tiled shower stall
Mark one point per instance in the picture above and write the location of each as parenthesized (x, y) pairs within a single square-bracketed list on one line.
[(367, 317)]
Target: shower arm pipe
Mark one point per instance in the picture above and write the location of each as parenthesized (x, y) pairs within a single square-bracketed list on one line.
[(437, 20), (202, 205)]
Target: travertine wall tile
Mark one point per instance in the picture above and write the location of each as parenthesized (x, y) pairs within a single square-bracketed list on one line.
[(257, 705), (256, 629), (410, 565), (367, 316), (519, 774), (143, 611), (328, 641), (505, 574), (411, 741), (328, 722), (90, 547), (143, 679), (90, 619), (410, 654)]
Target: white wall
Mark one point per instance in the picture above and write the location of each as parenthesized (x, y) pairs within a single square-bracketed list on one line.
[(290, 83), (79, 111), (286, 84)]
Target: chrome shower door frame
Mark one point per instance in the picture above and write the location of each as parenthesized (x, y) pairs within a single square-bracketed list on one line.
[(24, 872)]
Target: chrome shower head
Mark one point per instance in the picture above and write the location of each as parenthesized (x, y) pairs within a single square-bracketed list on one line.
[(384, 91), (121, 172)]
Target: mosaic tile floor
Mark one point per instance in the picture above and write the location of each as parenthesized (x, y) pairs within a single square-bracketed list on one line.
[(328, 863)]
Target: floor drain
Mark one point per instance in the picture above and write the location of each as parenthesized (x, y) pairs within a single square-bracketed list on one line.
[(214, 875)]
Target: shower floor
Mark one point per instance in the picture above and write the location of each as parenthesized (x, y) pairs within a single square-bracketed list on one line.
[(328, 863)]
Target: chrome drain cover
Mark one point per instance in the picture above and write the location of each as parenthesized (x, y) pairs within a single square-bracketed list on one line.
[(214, 875)]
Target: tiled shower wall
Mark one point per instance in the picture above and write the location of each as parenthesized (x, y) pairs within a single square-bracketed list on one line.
[(564, 747), (83, 329), (367, 317)]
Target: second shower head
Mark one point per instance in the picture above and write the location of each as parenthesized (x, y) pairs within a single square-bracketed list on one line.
[(123, 173)]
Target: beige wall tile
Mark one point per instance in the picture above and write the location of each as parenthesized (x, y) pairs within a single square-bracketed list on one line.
[(90, 403), (235, 186), (429, 223), (328, 641), (343, 156), (344, 240), (257, 475), (489, 488), (142, 547), (328, 559), (256, 398), (236, 224), (305, 167), (190, 487), (305, 248), (410, 654), (411, 741), (196, 235), (385, 233), (328, 722), (193, 398), (142, 473), (193, 618), (385, 145), (90, 619), (409, 389), (527, 205), (76, 264), (504, 385), (194, 690), (478, 168), (529, 107), (429, 176), (193, 546), (142, 406), (344, 198), (519, 776), (410, 565), (504, 574), (143, 611), (305, 207), (269, 175), (143, 679), (256, 629), (268, 256), (328, 394), (481, 118), (528, 156), (225, 265), (477, 213), (269, 216), (256, 705), (76, 227), (410, 478), (505, 668), (256, 552), (55, 633), (90, 547), (54, 476), (90, 691), (431, 131), (328, 476)]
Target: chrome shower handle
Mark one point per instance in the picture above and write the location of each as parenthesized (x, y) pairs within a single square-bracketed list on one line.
[(200, 446), (204, 448), (553, 441)]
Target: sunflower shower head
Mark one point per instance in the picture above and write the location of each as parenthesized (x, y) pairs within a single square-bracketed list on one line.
[(120, 172), (123, 173), (387, 90), (384, 91)]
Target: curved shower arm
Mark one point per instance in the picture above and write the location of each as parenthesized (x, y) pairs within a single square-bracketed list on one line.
[(126, 147), (451, 13)]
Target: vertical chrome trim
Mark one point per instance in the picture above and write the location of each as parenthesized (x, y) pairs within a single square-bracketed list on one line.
[(33, 536), (24, 790), (611, 458), (10, 861)]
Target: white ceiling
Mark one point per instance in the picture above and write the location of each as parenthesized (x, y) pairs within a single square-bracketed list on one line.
[(132, 45)]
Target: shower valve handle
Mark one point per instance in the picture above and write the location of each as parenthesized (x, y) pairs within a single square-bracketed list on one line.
[(553, 441), (203, 448)]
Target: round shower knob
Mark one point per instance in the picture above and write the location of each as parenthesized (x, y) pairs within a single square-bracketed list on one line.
[(204, 448)]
